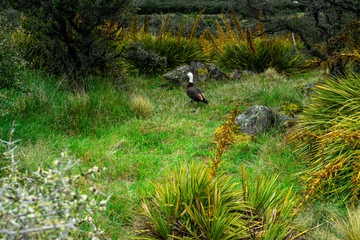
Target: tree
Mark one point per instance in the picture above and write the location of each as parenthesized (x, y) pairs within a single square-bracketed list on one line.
[(72, 31), (318, 26)]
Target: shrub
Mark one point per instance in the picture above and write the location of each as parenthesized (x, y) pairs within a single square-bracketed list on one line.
[(10, 62), (274, 208), (72, 32), (143, 61), (261, 54), (45, 204), (177, 51), (328, 139)]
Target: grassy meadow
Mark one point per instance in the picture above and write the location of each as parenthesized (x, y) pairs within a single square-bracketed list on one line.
[(145, 128), (174, 170)]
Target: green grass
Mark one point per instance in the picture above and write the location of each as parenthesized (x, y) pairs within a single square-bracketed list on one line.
[(100, 128)]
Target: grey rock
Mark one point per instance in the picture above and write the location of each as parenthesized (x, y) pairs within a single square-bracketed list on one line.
[(178, 75), (199, 70), (237, 74), (249, 73), (256, 120), (215, 72)]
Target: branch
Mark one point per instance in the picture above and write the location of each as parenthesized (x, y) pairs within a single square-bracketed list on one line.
[(40, 229)]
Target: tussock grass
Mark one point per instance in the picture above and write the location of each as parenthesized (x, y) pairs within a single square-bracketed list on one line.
[(141, 106), (348, 227)]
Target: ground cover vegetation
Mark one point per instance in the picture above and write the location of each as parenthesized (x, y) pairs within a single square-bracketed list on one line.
[(170, 170)]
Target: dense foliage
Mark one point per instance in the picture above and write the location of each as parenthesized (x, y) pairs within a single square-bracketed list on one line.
[(212, 7), (45, 204), (328, 140), (72, 31), (277, 53), (191, 203), (10, 62), (319, 23)]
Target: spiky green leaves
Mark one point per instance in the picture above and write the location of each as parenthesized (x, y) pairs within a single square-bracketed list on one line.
[(328, 139), (165, 53), (191, 203), (259, 54)]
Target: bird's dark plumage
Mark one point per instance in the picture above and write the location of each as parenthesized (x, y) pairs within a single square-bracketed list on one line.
[(195, 93)]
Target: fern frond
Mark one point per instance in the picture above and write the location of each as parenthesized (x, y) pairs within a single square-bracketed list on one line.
[(208, 34), (260, 26), (133, 28)]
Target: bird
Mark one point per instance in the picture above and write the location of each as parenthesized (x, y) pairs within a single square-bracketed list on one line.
[(193, 92)]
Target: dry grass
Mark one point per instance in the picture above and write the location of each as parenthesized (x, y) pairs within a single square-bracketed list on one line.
[(141, 106), (272, 74), (348, 227)]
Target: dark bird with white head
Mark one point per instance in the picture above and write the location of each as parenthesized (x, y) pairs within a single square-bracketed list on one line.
[(193, 92)]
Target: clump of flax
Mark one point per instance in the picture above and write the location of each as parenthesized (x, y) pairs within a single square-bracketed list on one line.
[(223, 138)]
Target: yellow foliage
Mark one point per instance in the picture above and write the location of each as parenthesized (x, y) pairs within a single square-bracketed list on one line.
[(224, 137), (195, 24), (237, 25)]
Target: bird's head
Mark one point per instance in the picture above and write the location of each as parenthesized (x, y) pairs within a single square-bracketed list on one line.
[(191, 77)]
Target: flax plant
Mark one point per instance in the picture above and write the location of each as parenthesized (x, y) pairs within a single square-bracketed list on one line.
[(328, 140), (259, 54), (273, 209), (191, 203)]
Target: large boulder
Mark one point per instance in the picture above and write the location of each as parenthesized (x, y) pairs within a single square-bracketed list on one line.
[(215, 72), (199, 70), (240, 74), (256, 120), (178, 76)]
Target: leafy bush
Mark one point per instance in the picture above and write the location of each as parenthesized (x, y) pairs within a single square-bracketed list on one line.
[(10, 62), (72, 32), (31, 49), (45, 204), (328, 139), (261, 54)]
